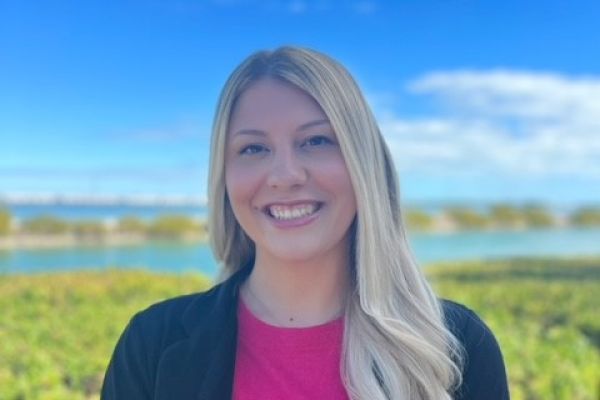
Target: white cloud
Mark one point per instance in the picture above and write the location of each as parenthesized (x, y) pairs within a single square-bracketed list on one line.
[(507, 123), (517, 94)]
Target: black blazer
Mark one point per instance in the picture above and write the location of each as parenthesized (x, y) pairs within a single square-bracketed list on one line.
[(184, 348)]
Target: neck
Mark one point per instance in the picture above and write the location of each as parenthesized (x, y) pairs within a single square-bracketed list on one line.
[(297, 294)]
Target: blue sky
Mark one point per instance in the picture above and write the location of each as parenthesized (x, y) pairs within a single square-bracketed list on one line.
[(479, 101)]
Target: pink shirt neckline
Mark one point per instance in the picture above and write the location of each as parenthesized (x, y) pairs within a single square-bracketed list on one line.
[(274, 362), (258, 333)]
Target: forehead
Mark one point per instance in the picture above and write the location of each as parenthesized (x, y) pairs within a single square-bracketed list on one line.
[(272, 102)]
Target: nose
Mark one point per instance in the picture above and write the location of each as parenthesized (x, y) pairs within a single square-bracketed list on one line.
[(287, 171)]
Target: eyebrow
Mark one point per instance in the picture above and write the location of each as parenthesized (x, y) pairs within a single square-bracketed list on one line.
[(312, 123), (303, 127), (255, 132)]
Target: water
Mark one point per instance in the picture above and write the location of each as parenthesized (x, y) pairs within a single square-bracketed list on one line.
[(437, 247), (186, 257), (160, 257), (101, 212)]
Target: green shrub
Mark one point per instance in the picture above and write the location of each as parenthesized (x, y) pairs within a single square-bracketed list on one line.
[(174, 227), (88, 228), (588, 216), (45, 225), (5, 222), (537, 217), (131, 224), (57, 331), (418, 220), (544, 315), (505, 216), (465, 218)]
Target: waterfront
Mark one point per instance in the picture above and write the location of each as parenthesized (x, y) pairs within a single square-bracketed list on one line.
[(181, 257), (104, 211)]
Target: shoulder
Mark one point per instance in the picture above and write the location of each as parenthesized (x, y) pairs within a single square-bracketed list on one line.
[(133, 366), (173, 327), (484, 373), (168, 316), (463, 322), (176, 318)]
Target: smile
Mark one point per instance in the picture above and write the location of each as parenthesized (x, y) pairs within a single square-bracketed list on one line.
[(289, 212)]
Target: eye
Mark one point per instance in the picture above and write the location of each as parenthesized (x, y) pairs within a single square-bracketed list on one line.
[(252, 149), (318, 140)]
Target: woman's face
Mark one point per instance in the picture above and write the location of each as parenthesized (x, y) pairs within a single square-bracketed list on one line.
[(285, 175)]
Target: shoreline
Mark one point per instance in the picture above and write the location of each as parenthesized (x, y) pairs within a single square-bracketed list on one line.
[(70, 240), (27, 241)]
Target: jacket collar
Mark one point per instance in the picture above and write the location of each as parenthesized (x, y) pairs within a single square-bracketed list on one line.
[(201, 366), (215, 304)]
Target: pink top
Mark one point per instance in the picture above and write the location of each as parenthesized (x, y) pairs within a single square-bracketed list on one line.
[(287, 363)]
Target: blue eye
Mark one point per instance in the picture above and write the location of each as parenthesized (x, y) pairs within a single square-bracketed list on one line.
[(252, 149), (318, 140)]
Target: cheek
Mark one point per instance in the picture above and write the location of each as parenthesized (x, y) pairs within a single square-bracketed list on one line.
[(240, 184), (338, 178)]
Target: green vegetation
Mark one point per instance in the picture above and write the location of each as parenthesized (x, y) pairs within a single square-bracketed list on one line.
[(465, 218), (178, 227), (537, 217), (88, 229), (131, 224), (171, 227), (545, 316), (57, 331), (505, 216), (45, 225), (586, 217), (419, 220), (5, 222), (174, 227), (498, 216)]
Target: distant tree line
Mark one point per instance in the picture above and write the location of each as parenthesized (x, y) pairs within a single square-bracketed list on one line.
[(163, 227), (501, 216)]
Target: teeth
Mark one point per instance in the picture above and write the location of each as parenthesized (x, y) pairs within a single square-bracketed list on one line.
[(282, 212)]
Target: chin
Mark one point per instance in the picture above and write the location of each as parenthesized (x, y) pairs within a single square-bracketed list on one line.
[(298, 252), (293, 256)]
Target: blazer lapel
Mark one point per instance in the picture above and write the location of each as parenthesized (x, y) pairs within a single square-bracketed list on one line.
[(202, 366), (217, 382)]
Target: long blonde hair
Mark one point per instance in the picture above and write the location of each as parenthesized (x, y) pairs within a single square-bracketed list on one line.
[(396, 345)]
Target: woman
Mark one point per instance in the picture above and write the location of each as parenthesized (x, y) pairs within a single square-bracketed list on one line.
[(321, 298)]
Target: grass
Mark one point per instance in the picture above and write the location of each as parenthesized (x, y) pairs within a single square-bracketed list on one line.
[(57, 331), (544, 313)]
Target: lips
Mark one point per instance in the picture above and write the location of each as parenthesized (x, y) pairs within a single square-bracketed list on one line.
[(297, 210)]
